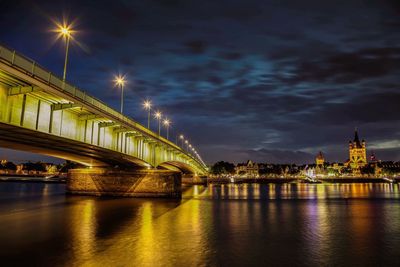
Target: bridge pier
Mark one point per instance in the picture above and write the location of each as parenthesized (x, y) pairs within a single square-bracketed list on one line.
[(138, 183)]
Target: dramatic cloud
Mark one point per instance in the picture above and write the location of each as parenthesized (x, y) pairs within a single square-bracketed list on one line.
[(272, 81)]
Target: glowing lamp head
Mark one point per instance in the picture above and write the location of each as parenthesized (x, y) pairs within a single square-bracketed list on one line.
[(119, 80), (190, 145), (166, 122), (64, 31), (181, 136), (147, 104), (186, 141), (158, 115)]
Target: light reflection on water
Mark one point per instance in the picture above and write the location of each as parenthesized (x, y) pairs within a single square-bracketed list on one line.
[(233, 225), (304, 191)]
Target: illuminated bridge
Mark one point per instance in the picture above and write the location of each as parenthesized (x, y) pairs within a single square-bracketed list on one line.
[(40, 113)]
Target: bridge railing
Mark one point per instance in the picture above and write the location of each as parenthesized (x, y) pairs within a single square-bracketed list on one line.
[(33, 69)]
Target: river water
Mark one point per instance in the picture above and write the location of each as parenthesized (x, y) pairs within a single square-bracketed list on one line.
[(228, 225)]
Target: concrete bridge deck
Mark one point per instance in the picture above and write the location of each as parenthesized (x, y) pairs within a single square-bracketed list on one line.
[(43, 114)]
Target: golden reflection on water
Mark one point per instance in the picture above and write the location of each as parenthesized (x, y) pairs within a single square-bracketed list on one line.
[(160, 235), (83, 230), (221, 225)]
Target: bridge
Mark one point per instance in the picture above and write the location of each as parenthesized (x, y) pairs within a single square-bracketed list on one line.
[(41, 113)]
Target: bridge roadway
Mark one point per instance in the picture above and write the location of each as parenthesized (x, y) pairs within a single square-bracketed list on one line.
[(40, 113)]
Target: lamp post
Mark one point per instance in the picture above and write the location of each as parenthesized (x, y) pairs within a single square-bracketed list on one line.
[(66, 32), (167, 123), (147, 106), (182, 139), (187, 145), (158, 116), (120, 81)]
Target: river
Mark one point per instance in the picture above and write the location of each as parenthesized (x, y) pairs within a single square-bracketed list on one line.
[(227, 225)]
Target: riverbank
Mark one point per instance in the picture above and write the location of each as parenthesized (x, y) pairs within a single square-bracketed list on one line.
[(32, 179), (298, 180), (344, 180)]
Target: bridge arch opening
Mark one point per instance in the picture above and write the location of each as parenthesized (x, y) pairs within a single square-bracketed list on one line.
[(178, 166), (18, 138)]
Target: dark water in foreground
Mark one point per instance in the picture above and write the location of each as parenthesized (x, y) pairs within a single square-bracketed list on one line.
[(231, 225)]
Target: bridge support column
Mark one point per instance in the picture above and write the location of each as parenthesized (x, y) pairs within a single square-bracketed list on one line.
[(109, 182)]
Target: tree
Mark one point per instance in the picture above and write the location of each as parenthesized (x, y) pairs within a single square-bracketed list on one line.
[(68, 165), (222, 167), (367, 169), (8, 166), (38, 166)]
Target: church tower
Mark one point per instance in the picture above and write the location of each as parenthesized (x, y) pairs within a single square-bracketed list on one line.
[(320, 160), (357, 153)]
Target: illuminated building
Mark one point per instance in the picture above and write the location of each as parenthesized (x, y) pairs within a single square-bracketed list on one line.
[(357, 153), (320, 160), (249, 169)]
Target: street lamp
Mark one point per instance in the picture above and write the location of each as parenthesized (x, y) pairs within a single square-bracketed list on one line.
[(158, 116), (187, 145), (120, 81), (65, 31), (182, 139), (167, 123), (147, 106)]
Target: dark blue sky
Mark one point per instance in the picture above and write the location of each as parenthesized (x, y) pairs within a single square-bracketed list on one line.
[(272, 81)]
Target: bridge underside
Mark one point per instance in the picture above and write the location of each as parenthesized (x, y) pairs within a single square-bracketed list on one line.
[(19, 138), (41, 113), (177, 166)]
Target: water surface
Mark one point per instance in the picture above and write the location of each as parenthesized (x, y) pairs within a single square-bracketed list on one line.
[(228, 225)]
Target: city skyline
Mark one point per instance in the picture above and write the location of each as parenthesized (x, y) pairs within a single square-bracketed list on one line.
[(251, 83)]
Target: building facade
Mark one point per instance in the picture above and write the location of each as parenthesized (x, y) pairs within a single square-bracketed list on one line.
[(357, 153), (320, 160), (249, 169)]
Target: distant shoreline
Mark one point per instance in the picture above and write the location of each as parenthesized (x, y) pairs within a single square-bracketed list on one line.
[(296, 180), (31, 179), (345, 180)]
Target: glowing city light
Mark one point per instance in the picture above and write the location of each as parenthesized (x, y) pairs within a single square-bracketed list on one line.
[(119, 80), (166, 122), (147, 104)]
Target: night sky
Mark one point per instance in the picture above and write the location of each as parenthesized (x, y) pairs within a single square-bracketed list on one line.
[(272, 81)]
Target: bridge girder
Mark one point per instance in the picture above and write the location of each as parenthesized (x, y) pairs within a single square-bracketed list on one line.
[(44, 104), (63, 106), (21, 90)]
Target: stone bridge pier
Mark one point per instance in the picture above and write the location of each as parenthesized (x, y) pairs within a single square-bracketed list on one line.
[(121, 183)]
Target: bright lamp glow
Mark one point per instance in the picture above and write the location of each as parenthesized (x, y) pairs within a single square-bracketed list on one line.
[(166, 122), (147, 104), (158, 115), (119, 80), (65, 31)]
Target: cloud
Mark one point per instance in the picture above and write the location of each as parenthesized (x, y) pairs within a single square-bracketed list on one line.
[(279, 156), (387, 144), (196, 46), (241, 79), (349, 67)]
